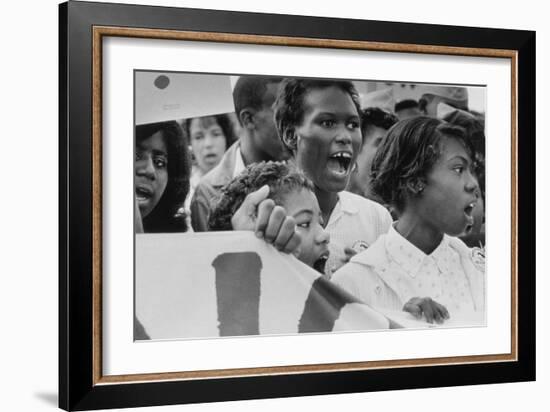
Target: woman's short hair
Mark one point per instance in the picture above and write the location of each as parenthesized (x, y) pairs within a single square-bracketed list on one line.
[(289, 106), (223, 120), (410, 150), (281, 177), (164, 218), (474, 127)]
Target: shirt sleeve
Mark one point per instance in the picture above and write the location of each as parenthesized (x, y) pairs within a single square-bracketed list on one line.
[(200, 210)]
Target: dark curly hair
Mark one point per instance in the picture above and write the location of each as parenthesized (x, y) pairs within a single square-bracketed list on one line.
[(289, 106), (163, 218), (223, 120), (282, 178), (410, 150)]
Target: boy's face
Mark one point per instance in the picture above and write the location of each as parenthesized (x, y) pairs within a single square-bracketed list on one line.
[(151, 172), (302, 205), (446, 205), (360, 178), (328, 138)]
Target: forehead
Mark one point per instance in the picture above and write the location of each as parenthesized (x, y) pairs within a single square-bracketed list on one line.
[(372, 131), (153, 142), (203, 122), (299, 199), (330, 98), (451, 148)]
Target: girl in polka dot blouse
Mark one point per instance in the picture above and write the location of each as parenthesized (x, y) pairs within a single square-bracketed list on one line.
[(424, 169)]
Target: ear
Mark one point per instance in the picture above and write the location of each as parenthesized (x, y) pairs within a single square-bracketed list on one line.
[(290, 139), (416, 185), (246, 116)]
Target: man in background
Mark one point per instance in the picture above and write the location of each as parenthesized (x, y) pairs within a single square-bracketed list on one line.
[(375, 122), (253, 97)]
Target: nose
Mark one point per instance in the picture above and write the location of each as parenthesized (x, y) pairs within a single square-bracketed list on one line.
[(145, 167), (323, 237), (471, 185), (344, 136), (208, 140)]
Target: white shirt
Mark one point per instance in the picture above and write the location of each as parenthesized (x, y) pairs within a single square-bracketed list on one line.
[(393, 270), (356, 223)]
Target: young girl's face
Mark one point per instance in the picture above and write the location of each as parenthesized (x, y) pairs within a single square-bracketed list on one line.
[(328, 138), (446, 204), (207, 142), (151, 169), (303, 206)]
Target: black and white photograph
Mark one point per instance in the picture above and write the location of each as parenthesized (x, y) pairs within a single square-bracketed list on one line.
[(262, 205), (273, 205)]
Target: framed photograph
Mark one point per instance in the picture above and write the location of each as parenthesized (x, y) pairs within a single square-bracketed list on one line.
[(393, 248)]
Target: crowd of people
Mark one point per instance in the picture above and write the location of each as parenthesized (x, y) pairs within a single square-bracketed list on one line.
[(388, 205)]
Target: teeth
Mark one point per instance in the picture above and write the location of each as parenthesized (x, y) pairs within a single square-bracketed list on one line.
[(343, 155)]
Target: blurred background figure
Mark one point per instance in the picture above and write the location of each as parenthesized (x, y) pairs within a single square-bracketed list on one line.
[(162, 169), (375, 123), (473, 125), (253, 97), (209, 138), (435, 96), (407, 108), (381, 98)]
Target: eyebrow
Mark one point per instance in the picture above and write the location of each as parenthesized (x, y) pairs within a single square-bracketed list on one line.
[(303, 211), (336, 114), (466, 160)]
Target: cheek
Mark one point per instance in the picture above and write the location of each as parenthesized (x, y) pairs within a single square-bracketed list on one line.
[(220, 143), (196, 146), (162, 179), (306, 249)]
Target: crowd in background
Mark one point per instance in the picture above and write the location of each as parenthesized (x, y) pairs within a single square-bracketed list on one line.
[(386, 200)]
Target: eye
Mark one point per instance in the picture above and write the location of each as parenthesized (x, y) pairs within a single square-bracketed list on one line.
[(352, 125), (328, 123), (459, 169), (198, 136), (139, 155), (304, 225), (160, 162)]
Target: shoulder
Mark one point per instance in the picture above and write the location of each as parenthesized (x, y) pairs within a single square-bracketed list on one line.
[(223, 172), (365, 263), (371, 213), (362, 203), (475, 255)]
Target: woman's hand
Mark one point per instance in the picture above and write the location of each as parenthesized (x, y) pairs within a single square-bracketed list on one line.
[(267, 220), (428, 308)]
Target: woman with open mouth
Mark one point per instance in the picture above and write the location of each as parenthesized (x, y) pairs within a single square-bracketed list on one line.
[(319, 122), (424, 169), (162, 169), (161, 183)]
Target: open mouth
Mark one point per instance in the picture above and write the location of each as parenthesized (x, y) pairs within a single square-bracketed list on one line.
[(320, 263), (143, 193), (340, 162), (468, 212)]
